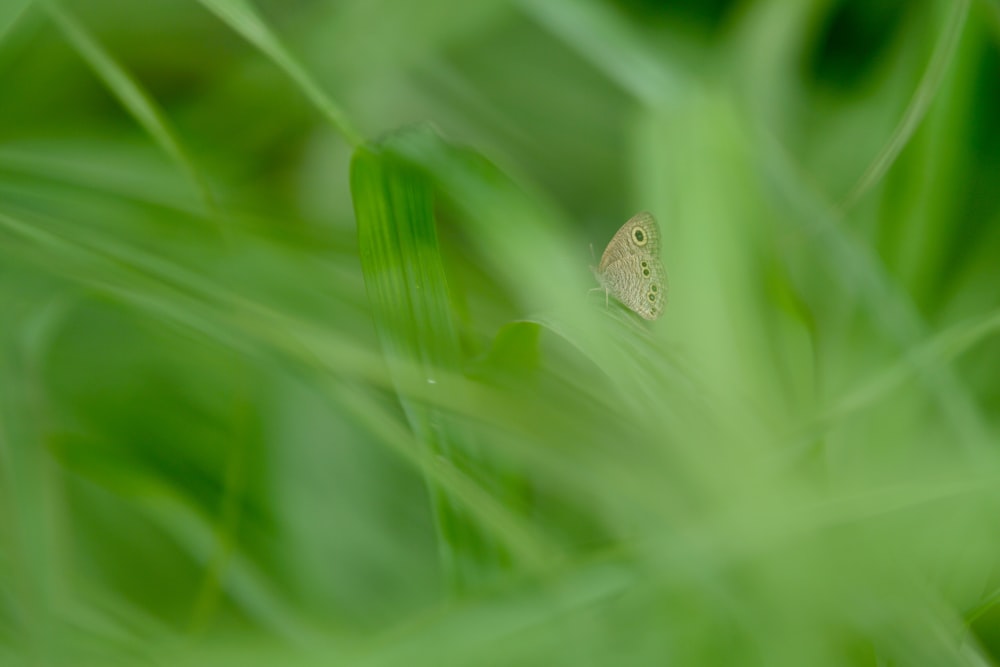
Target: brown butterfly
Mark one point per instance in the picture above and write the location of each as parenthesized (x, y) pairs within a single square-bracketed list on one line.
[(630, 268)]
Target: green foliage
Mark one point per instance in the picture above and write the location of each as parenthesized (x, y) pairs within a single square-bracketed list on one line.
[(285, 383)]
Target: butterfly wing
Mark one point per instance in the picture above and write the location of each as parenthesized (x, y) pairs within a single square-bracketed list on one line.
[(638, 282), (640, 235), (630, 267)]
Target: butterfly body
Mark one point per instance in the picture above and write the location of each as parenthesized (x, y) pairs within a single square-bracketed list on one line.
[(630, 268)]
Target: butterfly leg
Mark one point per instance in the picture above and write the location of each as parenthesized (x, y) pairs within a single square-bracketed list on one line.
[(597, 289)]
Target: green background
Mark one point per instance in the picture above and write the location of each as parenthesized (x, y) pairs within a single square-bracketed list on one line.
[(298, 362)]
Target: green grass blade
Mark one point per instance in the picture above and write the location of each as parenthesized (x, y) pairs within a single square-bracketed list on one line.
[(942, 349), (29, 488), (244, 20), (132, 96), (600, 34), (410, 304), (11, 13), (890, 307), (915, 112)]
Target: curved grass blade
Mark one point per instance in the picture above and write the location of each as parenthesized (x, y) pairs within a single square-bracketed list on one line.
[(602, 36), (131, 95), (894, 311), (409, 297), (243, 19), (11, 13), (942, 350), (926, 91), (169, 292)]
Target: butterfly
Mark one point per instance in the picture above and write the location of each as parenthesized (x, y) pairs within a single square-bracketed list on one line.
[(630, 268)]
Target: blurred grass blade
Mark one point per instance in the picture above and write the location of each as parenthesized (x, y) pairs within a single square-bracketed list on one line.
[(150, 285), (31, 582), (242, 579), (599, 34), (940, 350), (891, 308), (132, 97), (243, 19), (992, 9), (10, 13), (915, 112), (410, 304), (504, 221)]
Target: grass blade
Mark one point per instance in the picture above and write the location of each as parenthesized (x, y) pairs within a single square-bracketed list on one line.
[(11, 13), (926, 91), (132, 96), (406, 284), (243, 19)]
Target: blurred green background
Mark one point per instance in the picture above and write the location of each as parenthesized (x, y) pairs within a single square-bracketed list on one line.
[(299, 364)]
